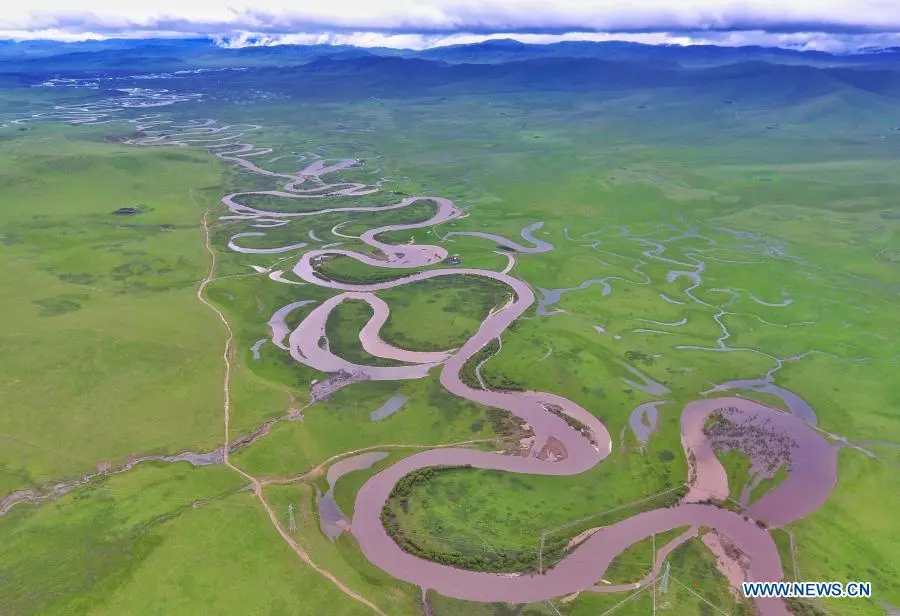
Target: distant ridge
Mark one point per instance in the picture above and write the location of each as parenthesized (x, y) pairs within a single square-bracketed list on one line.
[(719, 73), (744, 84), (166, 54), (687, 54)]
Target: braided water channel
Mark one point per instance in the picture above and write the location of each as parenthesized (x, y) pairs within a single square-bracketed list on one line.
[(812, 472)]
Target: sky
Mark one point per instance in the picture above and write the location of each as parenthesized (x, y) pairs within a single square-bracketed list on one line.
[(830, 25)]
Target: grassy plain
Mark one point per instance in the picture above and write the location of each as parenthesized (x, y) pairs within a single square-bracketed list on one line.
[(447, 311), (156, 540), (342, 557), (796, 228), (844, 539), (94, 369), (429, 417)]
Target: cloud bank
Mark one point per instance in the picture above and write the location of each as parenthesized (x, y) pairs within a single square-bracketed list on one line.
[(804, 41), (815, 24)]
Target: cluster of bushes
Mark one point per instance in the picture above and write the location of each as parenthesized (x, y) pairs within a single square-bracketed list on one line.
[(638, 356), (573, 423), (467, 373), (803, 608), (403, 488), (498, 562), (506, 425), (728, 504), (555, 546), (671, 499), (326, 273), (502, 383), (715, 418)]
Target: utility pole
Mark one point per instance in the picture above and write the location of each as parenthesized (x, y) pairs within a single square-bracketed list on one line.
[(665, 580), (541, 556), (292, 524), (655, 577)]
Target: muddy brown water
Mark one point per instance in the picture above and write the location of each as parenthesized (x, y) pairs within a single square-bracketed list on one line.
[(332, 520), (795, 404), (643, 420)]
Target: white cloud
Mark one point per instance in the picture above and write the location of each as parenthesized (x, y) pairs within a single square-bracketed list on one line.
[(77, 36), (286, 16), (807, 41), (833, 25)]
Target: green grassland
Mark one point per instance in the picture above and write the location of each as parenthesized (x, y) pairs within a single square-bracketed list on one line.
[(342, 331), (108, 353), (157, 540), (638, 560), (769, 483), (349, 270), (342, 558), (429, 417), (95, 369), (501, 516), (846, 538), (737, 467), (448, 310)]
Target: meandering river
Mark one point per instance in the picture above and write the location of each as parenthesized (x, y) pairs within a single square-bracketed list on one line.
[(813, 461)]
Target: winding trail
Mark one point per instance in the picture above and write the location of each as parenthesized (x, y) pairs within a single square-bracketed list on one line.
[(255, 484), (229, 339), (551, 417)]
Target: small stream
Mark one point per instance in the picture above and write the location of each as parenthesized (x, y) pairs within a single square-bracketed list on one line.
[(394, 404)]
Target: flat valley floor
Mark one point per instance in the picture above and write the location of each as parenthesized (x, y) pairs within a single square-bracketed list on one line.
[(538, 352)]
